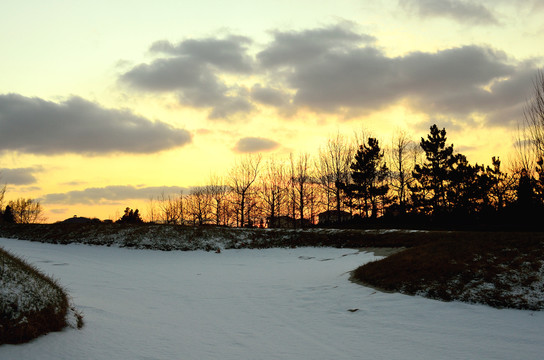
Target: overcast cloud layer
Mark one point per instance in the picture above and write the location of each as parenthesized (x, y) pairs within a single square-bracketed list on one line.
[(111, 194), (33, 125), (338, 70)]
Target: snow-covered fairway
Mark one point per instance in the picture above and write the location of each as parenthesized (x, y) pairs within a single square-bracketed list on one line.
[(257, 304)]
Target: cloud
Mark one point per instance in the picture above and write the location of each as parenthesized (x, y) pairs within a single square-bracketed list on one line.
[(337, 70), (110, 194), (33, 125), (296, 48), (269, 96), (225, 54), (19, 176), (193, 70), (255, 144), (354, 77), (458, 10)]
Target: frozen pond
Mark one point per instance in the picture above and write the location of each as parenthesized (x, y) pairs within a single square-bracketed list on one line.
[(257, 304)]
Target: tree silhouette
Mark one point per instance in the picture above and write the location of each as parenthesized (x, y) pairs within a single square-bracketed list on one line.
[(131, 217), (368, 175), (7, 216), (429, 192)]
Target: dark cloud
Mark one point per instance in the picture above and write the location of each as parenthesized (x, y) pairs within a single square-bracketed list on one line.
[(338, 70), (291, 48), (269, 96), (361, 78), (19, 176), (33, 125), (192, 68), (255, 144), (462, 11), (225, 54), (110, 194)]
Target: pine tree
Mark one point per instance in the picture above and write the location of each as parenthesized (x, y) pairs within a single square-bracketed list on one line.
[(369, 172), (429, 192)]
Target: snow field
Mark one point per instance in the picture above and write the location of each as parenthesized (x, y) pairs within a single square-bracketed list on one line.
[(257, 304)]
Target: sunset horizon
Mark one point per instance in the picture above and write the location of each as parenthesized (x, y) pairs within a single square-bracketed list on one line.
[(104, 106)]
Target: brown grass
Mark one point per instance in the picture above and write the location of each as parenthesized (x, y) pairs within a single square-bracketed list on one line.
[(18, 325), (497, 269)]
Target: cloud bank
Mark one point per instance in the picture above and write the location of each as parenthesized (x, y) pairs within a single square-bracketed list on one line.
[(340, 71), (36, 126), (110, 194)]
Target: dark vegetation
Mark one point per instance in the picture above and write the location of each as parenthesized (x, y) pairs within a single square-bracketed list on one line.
[(503, 270), (31, 303)]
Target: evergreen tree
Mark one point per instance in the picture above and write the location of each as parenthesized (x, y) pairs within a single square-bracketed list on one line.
[(429, 192), (8, 216), (131, 217), (369, 172)]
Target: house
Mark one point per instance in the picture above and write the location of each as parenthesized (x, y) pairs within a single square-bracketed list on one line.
[(287, 222), (331, 217)]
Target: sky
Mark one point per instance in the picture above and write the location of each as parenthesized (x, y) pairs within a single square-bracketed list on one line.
[(105, 104)]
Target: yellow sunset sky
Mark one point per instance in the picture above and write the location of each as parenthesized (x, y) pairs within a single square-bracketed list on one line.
[(104, 104)]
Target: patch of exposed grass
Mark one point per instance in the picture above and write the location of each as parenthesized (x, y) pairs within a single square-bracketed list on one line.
[(504, 270), (31, 303)]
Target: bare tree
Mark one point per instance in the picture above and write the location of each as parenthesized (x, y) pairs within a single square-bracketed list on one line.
[(171, 208), (333, 169), (241, 178), (218, 191), (533, 116), (301, 179), (273, 189), (402, 160), (199, 205), (2, 194), (27, 211), (152, 213)]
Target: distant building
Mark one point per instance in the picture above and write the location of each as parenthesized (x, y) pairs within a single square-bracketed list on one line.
[(332, 217), (287, 222)]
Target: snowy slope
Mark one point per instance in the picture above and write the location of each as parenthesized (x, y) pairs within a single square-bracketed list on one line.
[(257, 304)]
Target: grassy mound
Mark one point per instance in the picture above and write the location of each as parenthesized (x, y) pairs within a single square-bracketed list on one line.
[(503, 270), (31, 303)]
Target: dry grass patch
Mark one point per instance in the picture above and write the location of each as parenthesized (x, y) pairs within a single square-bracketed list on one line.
[(497, 269), (31, 303)]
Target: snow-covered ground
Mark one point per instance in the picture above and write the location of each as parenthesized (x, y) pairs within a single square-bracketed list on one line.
[(257, 304)]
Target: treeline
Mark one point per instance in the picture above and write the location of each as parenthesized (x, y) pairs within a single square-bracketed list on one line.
[(407, 184)]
